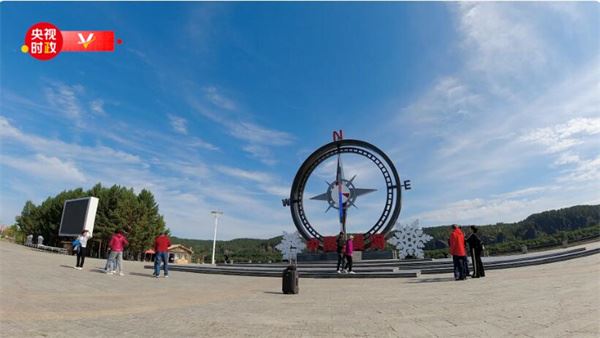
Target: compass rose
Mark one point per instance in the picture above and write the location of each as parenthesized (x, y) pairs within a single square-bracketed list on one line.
[(341, 194), (349, 194)]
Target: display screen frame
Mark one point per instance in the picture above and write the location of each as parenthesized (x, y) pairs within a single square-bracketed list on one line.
[(74, 220)]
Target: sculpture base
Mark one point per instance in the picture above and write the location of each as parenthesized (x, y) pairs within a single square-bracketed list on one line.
[(385, 254), (357, 256), (317, 256)]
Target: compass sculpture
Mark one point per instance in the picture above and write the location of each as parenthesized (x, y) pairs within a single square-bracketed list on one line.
[(342, 193)]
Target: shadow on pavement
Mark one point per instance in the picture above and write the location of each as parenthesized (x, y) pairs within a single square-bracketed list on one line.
[(433, 280), (98, 270), (274, 293), (66, 266), (141, 274)]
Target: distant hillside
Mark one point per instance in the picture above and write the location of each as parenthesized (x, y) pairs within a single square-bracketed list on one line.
[(548, 228), (241, 249), (545, 229)]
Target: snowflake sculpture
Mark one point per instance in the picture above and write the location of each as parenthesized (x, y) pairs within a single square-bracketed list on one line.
[(290, 245), (409, 239)]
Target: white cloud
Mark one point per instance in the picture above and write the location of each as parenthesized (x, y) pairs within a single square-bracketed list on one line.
[(511, 206), (470, 211), (199, 143), (255, 176), (585, 170), (524, 192), (98, 154), (258, 139), (563, 136), (256, 134), (188, 169), (501, 38), (7, 130), (65, 98), (265, 182), (575, 147), (97, 106), (534, 121), (179, 124), (566, 158), (185, 189), (589, 126), (218, 99), (48, 167), (65, 103), (450, 100), (279, 191), (260, 152)]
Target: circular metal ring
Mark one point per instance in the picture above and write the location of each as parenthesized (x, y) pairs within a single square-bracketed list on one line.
[(393, 203)]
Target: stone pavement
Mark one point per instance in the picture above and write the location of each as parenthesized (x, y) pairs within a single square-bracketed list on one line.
[(43, 296)]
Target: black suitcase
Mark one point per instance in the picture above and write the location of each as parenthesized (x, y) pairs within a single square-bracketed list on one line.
[(290, 280)]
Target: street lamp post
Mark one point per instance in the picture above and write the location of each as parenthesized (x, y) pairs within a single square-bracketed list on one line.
[(216, 215)]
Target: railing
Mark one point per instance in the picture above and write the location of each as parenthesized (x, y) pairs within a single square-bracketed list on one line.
[(48, 248)]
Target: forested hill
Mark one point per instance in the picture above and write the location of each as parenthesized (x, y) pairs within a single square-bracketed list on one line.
[(538, 230), (243, 249), (565, 219)]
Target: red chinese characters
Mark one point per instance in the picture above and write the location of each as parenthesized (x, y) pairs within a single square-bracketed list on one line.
[(312, 245), (378, 242), (359, 242), (329, 244), (43, 41)]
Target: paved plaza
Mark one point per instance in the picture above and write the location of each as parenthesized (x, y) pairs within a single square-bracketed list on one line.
[(43, 296)]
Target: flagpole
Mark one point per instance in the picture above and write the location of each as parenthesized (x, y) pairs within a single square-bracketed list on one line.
[(339, 178), (216, 215)]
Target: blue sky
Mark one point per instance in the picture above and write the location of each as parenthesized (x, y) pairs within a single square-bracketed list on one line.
[(492, 110)]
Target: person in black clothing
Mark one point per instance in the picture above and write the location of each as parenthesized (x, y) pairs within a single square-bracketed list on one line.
[(340, 251), (466, 260), (475, 249)]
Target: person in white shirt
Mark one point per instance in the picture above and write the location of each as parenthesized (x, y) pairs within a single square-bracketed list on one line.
[(82, 250)]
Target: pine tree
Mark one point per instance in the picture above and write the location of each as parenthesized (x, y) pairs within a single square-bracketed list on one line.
[(118, 208)]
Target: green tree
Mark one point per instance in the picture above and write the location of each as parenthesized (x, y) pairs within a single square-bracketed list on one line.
[(118, 208), (28, 220)]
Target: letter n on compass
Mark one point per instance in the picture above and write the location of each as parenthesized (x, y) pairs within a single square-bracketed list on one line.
[(338, 135)]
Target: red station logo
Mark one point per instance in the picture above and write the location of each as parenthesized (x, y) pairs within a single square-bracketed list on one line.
[(45, 41)]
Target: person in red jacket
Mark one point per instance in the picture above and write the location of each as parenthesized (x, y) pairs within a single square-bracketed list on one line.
[(458, 252), (161, 249), (117, 244)]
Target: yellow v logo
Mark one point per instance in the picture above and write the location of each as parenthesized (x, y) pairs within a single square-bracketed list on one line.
[(86, 42)]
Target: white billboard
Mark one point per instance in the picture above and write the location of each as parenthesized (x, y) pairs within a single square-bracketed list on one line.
[(78, 214)]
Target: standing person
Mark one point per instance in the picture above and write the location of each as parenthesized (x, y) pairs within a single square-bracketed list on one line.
[(82, 250), (349, 250), (109, 268), (458, 252), (340, 251), (117, 243), (161, 248), (475, 248)]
